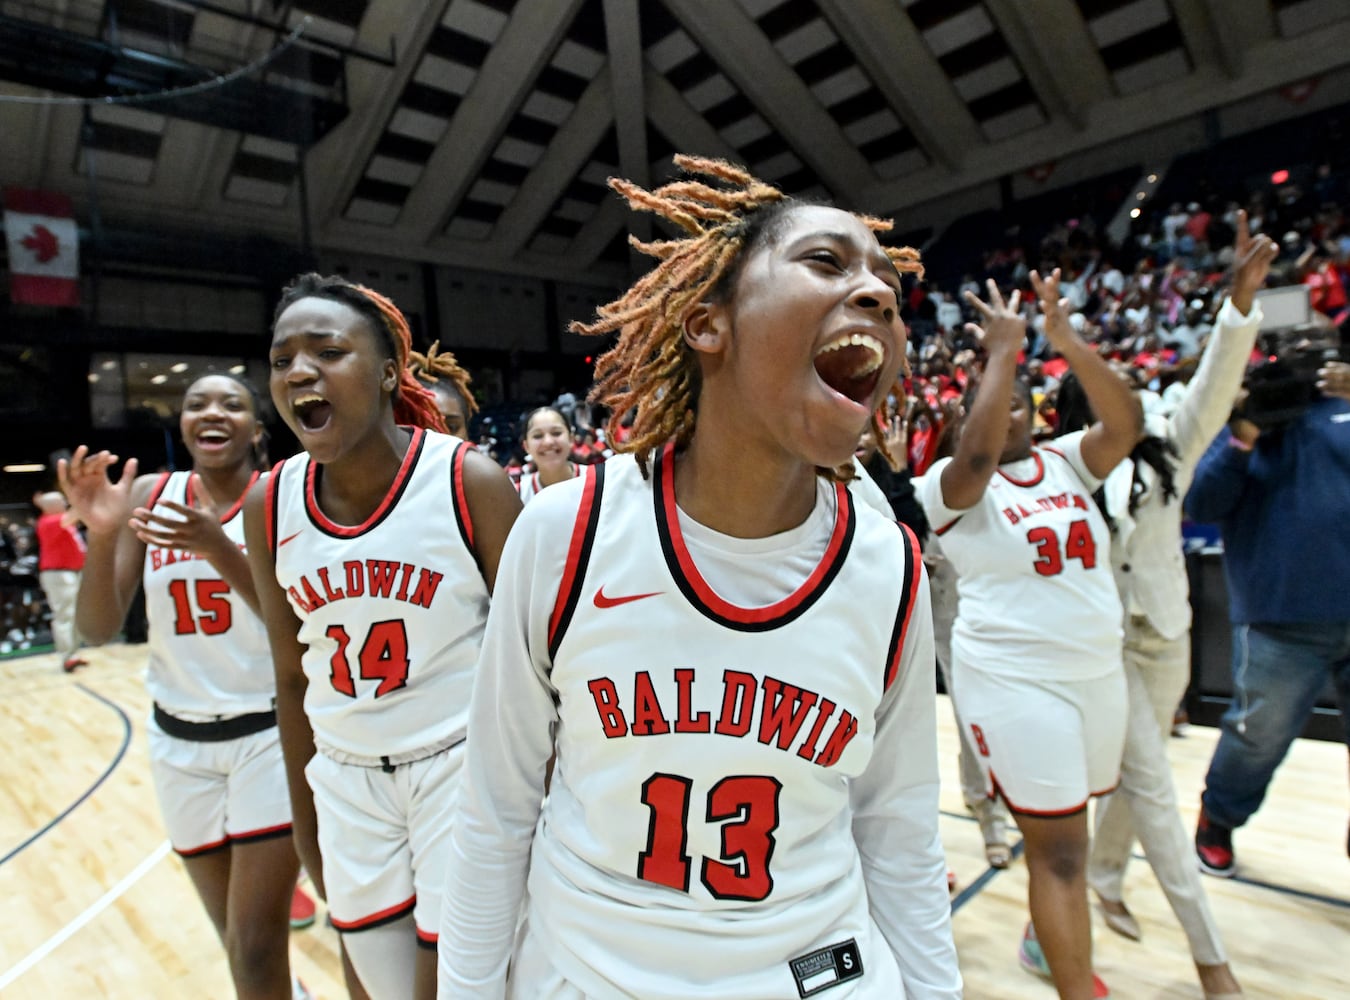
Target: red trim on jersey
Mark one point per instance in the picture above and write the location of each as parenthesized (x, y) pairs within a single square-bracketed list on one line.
[(1043, 813), (948, 526), (396, 488), (235, 508), (1054, 451), (461, 498), (265, 833), (427, 937), (192, 852), (157, 490), (703, 596), (379, 917), (578, 554), (1034, 480), (913, 561), (270, 507)]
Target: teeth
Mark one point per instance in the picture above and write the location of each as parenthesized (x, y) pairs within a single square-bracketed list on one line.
[(856, 340), (311, 399)]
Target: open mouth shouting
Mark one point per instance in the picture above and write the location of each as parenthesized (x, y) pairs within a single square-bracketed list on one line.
[(212, 439), (850, 366), (312, 411)]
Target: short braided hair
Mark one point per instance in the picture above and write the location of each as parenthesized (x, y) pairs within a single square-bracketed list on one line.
[(650, 371), (435, 365)]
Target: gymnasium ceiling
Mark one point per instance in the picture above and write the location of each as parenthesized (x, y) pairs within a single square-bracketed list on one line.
[(479, 133)]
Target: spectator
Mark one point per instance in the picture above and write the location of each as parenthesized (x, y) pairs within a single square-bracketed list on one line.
[(60, 560), (1278, 493)]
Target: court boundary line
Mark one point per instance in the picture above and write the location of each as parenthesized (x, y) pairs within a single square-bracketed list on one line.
[(52, 823), (90, 912)]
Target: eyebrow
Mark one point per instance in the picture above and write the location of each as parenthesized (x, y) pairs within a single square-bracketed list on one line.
[(307, 335)]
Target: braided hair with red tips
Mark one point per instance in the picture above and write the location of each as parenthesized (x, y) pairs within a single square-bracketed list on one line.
[(414, 403)]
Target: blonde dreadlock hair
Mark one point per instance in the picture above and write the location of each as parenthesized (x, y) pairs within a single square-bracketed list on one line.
[(413, 403), (651, 370), (435, 365)]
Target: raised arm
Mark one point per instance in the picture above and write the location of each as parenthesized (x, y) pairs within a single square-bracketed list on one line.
[(985, 430), (1217, 380), (115, 559), (1120, 420), (283, 627)]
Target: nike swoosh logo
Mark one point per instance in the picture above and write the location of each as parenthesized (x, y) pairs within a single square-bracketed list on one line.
[(289, 538), (601, 601)]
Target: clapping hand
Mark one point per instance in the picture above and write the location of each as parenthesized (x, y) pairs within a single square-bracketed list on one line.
[(194, 528)]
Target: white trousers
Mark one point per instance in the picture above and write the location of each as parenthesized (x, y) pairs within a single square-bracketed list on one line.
[(62, 586), (1156, 673)]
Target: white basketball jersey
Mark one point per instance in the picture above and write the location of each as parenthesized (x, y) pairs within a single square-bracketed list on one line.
[(208, 650), (1036, 597), (702, 792), (529, 484), (391, 610)]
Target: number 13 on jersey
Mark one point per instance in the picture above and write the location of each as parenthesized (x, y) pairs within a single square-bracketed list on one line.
[(746, 806)]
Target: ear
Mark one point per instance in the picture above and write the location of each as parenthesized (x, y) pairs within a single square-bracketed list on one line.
[(707, 328), (389, 376)]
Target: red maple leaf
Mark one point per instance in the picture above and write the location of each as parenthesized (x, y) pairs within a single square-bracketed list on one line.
[(43, 242)]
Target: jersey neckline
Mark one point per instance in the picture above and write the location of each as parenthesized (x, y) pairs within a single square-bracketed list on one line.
[(328, 526), (696, 589), (235, 508)]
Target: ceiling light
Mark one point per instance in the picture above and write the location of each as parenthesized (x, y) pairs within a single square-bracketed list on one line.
[(238, 369), (1134, 213), (26, 467), (93, 376), (159, 379), (1153, 178), (182, 366), (1141, 195), (109, 365)]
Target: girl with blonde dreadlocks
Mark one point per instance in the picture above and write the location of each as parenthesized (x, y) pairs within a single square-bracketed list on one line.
[(373, 556), (449, 384), (730, 659)]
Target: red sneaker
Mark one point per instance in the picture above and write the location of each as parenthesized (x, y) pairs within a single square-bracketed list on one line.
[(302, 909), (1214, 847), (74, 663)]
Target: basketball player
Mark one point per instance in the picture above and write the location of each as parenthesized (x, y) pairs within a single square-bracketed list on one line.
[(215, 754), (450, 388), (1036, 661), (548, 443), (373, 554), (731, 659)]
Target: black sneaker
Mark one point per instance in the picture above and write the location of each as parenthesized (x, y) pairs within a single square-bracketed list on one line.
[(1214, 847)]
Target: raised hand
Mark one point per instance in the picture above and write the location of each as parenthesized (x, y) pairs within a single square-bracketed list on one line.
[(1333, 379), (1054, 308), (1252, 257), (103, 505), (1002, 326), (193, 529), (897, 440)]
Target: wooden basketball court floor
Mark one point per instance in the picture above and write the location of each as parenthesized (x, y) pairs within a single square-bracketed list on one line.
[(95, 905)]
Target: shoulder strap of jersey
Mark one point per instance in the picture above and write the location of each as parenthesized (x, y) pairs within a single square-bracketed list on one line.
[(460, 500), (270, 507), (157, 490), (578, 555), (909, 592)]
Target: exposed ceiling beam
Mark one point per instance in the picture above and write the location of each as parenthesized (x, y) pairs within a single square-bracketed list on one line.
[(623, 35), (1058, 55), (893, 52), (569, 151), (599, 231), (1238, 26), (687, 130), (1202, 37), (503, 82), (1268, 67), (737, 45), (335, 167)]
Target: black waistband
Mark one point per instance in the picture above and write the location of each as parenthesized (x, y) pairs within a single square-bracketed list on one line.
[(214, 732)]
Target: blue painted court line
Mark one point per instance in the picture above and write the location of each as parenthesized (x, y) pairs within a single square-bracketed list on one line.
[(117, 759)]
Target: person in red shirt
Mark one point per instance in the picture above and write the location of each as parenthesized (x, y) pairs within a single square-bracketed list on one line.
[(60, 560)]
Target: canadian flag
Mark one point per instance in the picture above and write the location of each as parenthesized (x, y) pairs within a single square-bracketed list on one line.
[(44, 248)]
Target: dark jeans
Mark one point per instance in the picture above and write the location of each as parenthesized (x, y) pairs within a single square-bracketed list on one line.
[(1278, 672)]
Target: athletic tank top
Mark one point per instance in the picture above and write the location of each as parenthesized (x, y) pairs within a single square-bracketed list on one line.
[(391, 610), (208, 651), (530, 485), (705, 749)]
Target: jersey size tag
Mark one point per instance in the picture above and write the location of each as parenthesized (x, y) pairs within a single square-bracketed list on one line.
[(830, 966)]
